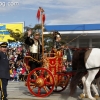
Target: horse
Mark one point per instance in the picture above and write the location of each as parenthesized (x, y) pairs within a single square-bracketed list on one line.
[(94, 89), (86, 63)]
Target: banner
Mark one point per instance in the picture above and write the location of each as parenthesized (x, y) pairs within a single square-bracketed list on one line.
[(15, 27)]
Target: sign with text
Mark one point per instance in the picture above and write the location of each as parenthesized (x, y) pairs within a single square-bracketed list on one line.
[(15, 27)]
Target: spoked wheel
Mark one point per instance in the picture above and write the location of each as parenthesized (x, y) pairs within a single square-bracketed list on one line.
[(61, 82), (38, 81)]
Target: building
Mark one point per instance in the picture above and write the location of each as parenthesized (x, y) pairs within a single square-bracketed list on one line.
[(80, 35)]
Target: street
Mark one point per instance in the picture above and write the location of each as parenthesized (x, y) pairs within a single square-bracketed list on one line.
[(18, 91)]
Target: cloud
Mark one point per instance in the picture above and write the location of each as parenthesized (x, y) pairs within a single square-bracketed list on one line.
[(77, 13), (60, 11)]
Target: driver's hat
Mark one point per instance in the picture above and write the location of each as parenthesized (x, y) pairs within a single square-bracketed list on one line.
[(4, 44)]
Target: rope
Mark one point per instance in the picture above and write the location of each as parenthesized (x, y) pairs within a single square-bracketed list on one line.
[(76, 38)]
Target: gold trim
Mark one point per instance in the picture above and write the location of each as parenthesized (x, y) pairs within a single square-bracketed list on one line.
[(33, 58), (3, 45), (2, 94)]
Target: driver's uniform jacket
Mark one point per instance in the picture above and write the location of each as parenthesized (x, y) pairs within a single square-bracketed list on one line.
[(4, 66)]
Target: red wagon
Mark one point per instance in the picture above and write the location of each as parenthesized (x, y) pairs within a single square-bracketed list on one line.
[(49, 78)]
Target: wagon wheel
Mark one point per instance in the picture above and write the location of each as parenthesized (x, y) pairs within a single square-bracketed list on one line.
[(62, 83), (38, 81)]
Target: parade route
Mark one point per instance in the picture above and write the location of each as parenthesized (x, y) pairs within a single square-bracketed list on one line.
[(18, 91)]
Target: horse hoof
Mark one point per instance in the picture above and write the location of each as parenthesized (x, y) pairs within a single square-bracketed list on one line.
[(96, 96), (86, 96), (81, 96), (92, 99)]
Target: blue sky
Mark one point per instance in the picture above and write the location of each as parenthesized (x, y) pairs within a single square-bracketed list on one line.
[(58, 12)]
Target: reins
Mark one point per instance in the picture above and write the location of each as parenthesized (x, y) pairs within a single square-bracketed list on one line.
[(76, 71), (75, 38), (82, 70)]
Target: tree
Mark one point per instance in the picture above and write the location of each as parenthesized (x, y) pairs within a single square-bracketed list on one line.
[(15, 35)]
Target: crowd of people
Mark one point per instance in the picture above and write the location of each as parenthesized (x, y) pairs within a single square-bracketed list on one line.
[(17, 68)]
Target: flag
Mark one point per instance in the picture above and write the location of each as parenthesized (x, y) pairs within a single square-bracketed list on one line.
[(38, 14), (43, 18)]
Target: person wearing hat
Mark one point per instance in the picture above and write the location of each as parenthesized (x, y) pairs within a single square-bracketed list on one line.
[(35, 48), (57, 46), (57, 41), (4, 70)]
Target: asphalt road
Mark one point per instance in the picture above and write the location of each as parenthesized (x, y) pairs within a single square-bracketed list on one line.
[(18, 91)]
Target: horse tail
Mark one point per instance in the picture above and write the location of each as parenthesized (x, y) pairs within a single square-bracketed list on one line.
[(78, 64), (74, 82)]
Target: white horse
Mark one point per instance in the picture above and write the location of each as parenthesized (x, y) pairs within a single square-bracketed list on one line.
[(93, 87), (86, 60)]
